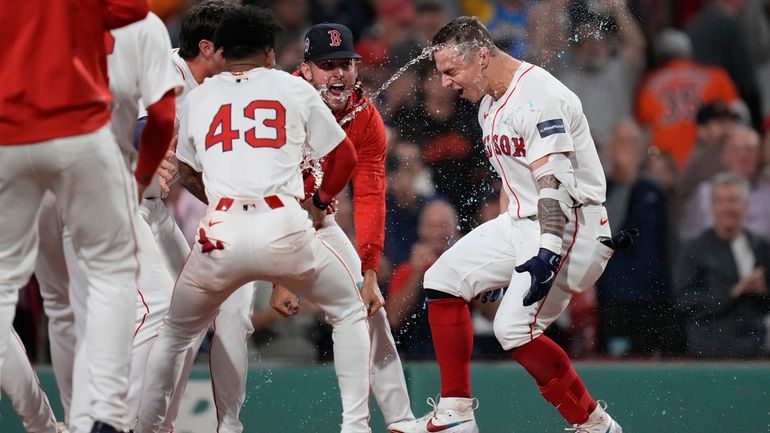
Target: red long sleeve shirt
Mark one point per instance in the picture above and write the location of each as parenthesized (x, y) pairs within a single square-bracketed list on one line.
[(367, 132), (54, 69)]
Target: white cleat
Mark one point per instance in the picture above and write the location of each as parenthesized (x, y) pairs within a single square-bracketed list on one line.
[(450, 415), (61, 428), (598, 422)]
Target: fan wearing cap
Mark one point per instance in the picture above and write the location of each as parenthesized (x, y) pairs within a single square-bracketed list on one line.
[(330, 66)]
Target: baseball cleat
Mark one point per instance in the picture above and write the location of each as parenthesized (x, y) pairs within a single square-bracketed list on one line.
[(100, 427), (450, 415), (598, 422)]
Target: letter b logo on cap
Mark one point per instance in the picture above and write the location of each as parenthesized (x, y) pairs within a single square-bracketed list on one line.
[(336, 38)]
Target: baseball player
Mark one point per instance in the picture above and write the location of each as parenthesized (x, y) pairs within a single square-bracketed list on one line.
[(54, 136), (547, 246), (195, 60), (330, 66), (242, 133), (140, 67)]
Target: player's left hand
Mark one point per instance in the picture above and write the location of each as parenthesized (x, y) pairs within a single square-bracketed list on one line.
[(317, 216), (370, 293), (542, 269), (166, 171)]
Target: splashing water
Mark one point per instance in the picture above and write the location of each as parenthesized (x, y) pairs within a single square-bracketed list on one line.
[(426, 53), (315, 165)]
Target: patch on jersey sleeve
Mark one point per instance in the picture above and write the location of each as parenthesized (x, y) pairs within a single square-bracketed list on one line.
[(550, 127)]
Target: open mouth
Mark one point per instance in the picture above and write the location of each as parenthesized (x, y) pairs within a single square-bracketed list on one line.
[(336, 90)]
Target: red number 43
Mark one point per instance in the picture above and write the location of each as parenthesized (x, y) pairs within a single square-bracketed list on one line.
[(222, 122)]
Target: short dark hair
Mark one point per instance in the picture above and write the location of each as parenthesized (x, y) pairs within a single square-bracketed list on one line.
[(464, 30), (200, 23), (246, 31)]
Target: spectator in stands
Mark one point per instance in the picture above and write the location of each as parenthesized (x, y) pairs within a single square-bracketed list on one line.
[(718, 38), (633, 294), (404, 200), (670, 95), (445, 128), (405, 301), (722, 279), (741, 156), (508, 26), (604, 79), (714, 123), (549, 27)]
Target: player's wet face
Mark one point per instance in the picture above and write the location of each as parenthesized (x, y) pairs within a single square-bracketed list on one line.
[(460, 71), (334, 79)]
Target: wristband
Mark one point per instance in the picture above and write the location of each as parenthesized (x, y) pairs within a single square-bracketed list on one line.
[(551, 242), (318, 203)]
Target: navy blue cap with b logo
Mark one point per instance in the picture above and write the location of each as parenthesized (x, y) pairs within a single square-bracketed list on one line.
[(329, 41)]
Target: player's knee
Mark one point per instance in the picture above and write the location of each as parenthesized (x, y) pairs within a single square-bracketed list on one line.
[(510, 334)]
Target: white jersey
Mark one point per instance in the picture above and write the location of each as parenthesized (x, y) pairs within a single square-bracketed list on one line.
[(246, 133), (537, 116), (140, 69), (187, 78)]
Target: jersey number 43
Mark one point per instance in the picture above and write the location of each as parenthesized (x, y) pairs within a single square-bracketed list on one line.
[(221, 131)]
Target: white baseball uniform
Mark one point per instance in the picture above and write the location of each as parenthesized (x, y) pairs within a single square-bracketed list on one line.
[(232, 327), (245, 133), (139, 67), (536, 116)]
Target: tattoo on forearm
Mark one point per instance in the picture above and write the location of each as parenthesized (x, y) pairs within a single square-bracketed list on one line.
[(552, 219)]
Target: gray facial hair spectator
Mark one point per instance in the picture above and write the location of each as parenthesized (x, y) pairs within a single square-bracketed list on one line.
[(721, 280)]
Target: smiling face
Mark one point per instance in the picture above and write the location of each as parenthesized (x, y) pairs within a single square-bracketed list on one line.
[(334, 79), (461, 69)]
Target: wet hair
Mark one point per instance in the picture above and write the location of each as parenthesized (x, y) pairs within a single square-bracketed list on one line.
[(200, 23), (245, 32), (467, 32)]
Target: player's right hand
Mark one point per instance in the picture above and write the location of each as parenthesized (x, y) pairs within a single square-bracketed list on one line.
[(542, 270), (284, 301), (317, 216)]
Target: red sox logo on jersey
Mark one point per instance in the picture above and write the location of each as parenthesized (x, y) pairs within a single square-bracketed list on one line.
[(504, 145), (336, 38)]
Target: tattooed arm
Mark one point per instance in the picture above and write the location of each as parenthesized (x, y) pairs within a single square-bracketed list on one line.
[(192, 181), (549, 213)]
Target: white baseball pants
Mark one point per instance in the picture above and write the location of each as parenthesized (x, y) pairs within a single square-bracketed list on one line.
[(21, 384), (86, 174), (252, 242), (485, 259), (233, 327)]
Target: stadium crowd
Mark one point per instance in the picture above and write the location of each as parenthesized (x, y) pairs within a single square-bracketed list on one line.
[(677, 95)]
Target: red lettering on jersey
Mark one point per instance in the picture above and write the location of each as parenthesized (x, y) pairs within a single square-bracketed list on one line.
[(109, 43), (495, 144), (336, 38), (505, 145), (226, 135), (520, 151), (278, 123)]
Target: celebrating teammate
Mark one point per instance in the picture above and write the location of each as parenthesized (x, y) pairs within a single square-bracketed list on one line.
[(330, 66), (545, 247), (54, 110), (140, 68), (241, 138)]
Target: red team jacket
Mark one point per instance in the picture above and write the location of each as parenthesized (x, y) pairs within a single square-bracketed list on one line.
[(367, 132), (54, 70)]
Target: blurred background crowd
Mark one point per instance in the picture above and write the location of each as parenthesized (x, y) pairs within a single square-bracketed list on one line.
[(677, 95)]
